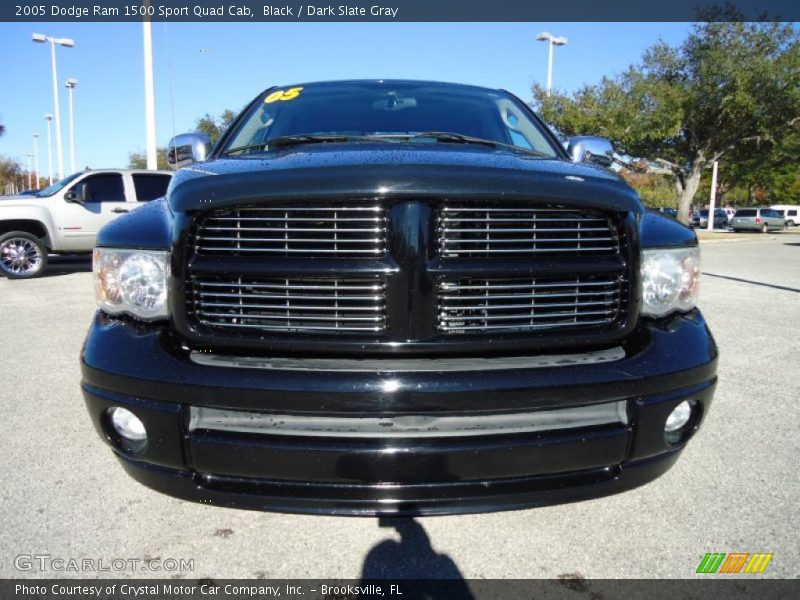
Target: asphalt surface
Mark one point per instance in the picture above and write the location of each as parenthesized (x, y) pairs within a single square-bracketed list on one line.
[(736, 488)]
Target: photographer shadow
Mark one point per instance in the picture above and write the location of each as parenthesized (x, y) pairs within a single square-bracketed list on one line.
[(435, 576)]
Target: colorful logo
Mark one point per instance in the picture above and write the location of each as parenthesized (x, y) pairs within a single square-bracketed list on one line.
[(734, 562)]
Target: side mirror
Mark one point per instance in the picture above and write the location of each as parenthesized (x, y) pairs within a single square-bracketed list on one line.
[(188, 148), (590, 149), (78, 194)]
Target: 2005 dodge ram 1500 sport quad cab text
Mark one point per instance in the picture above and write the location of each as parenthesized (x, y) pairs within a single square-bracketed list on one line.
[(395, 297)]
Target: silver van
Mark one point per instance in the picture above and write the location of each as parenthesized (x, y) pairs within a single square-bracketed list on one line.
[(757, 219)]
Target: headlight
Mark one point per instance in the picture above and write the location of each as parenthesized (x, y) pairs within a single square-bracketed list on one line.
[(132, 282), (669, 280)]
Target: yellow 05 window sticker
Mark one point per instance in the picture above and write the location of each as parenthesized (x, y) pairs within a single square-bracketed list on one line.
[(283, 95)]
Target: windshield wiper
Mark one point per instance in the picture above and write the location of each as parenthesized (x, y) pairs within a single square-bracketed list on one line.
[(458, 138), (314, 138), (296, 140), (439, 136), (243, 148)]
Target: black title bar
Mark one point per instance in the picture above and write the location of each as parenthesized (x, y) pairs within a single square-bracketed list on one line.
[(396, 10), (567, 588)]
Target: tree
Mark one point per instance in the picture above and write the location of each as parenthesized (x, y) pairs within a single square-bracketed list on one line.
[(12, 175), (214, 127), (655, 190), (731, 91), (138, 160), (769, 172)]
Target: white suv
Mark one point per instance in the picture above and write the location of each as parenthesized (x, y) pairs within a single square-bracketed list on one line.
[(65, 217), (790, 212)]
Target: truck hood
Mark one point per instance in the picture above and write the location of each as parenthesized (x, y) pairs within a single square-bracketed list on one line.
[(375, 169), (23, 200)]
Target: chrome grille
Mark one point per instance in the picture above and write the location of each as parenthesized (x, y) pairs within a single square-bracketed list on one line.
[(509, 231), (296, 231), (289, 305), (516, 305)]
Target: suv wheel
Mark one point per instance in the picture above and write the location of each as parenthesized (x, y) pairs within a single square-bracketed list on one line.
[(765, 228), (22, 255)]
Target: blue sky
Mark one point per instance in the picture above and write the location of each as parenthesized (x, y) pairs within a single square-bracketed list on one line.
[(215, 66)]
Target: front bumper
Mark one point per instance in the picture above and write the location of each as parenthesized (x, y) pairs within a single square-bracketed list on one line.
[(341, 471)]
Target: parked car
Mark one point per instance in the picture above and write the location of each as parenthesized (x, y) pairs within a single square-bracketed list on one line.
[(395, 297), (670, 212), (757, 219), (65, 217), (789, 212), (700, 218)]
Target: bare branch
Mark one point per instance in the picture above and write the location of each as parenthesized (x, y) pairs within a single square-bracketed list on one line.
[(671, 165)]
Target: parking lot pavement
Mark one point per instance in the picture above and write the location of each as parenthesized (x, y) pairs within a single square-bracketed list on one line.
[(736, 487)]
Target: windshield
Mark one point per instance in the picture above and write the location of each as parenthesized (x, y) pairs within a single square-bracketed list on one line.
[(385, 109), (58, 185)]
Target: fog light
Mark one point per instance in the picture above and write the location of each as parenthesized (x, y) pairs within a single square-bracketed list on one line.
[(128, 425), (679, 417)]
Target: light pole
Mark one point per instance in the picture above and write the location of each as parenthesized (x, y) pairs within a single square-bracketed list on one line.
[(40, 38), (149, 97), (71, 84), (49, 118), (29, 155), (36, 158), (712, 200), (551, 40)]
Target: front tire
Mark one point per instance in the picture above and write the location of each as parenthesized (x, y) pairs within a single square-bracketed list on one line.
[(22, 255)]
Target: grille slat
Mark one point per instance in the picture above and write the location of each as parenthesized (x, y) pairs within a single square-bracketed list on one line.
[(283, 240), (285, 287), (477, 232), (530, 251), (531, 315), (513, 286), (298, 231), (279, 306), (536, 304), (290, 305), (528, 305), (317, 230), (523, 296), (524, 240), (264, 317), (345, 252), (531, 229), (486, 328), (294, 329)]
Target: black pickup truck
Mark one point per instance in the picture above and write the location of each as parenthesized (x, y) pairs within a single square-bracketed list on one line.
[(395, 297)]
